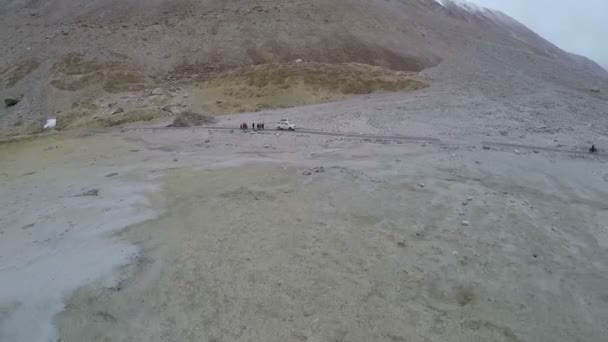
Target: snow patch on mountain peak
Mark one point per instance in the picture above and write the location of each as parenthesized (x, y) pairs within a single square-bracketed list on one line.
[(463, 4)]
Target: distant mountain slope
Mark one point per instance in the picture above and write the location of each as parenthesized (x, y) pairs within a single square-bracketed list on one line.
[(156, 40), (236, 32), (588, 65), (493, 19)]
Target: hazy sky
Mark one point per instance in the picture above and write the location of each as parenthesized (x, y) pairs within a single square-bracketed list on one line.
[(579, 26)]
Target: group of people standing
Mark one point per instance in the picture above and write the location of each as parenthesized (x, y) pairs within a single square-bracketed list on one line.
[(254, 126)]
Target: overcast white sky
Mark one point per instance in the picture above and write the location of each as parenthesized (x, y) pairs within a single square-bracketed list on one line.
[(579, 26)]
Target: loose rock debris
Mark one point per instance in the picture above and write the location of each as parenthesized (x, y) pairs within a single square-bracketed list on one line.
[(318, 169), (91, 192)]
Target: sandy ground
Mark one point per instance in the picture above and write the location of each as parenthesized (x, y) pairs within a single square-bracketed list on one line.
[(203, 235), (52, 242), (496, 230)]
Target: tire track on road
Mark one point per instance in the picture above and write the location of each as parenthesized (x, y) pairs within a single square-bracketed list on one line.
[(538, 148), (311, 132), (403, 138)]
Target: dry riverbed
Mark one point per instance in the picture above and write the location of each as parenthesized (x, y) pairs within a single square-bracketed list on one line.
[(195, 235)]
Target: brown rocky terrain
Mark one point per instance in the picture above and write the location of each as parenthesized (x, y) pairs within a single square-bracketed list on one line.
[(62, 56), (439, 185)]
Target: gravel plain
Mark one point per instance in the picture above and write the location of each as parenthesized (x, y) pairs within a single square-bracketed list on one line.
[(470, 210)]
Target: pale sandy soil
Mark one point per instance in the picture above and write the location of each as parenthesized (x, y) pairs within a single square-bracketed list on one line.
[(213, 235), (227, 240)]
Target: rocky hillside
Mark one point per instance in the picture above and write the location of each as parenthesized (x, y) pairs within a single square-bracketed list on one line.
[(503, 24), (57, 54)]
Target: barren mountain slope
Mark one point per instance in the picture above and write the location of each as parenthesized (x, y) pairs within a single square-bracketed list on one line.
[(58, 52), (464, 206)]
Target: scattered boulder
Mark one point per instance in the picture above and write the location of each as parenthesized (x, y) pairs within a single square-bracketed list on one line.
[(486, 147), (421, 185), (172, 109), (111, 174), (118, 110), (28, 226), (504, 133), (595, 90), (465, 223), (91, 192), (12, 101), (318, 169), (299, 60), (156, 92), (593, 149)]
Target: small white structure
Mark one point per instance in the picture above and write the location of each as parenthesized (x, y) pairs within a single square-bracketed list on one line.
[(50, 124)]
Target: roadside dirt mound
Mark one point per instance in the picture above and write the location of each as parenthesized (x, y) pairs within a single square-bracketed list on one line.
[(245, 89), (190, 119), (287, 85)]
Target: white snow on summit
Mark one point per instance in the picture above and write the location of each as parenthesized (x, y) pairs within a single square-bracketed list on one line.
[(466, 5)]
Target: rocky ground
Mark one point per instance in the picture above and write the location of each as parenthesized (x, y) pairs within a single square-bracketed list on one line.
[(217, 234), (446, 194)]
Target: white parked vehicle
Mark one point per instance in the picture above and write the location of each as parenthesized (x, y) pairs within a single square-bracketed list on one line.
[(285, 125)]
